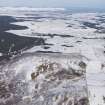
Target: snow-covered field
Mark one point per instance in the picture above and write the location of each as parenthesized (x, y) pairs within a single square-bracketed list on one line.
[(73, 40)]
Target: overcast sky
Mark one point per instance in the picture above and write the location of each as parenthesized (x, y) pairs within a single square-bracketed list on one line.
[(55, 3)]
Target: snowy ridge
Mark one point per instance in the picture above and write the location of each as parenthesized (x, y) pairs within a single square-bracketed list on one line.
[(30, 9)]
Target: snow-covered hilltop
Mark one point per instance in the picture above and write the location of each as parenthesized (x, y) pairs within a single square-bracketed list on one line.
[(30, 9), (45, 79)]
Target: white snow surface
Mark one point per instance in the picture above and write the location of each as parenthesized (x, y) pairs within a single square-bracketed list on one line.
[(51, 86), (1, 54), (79, 39)]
